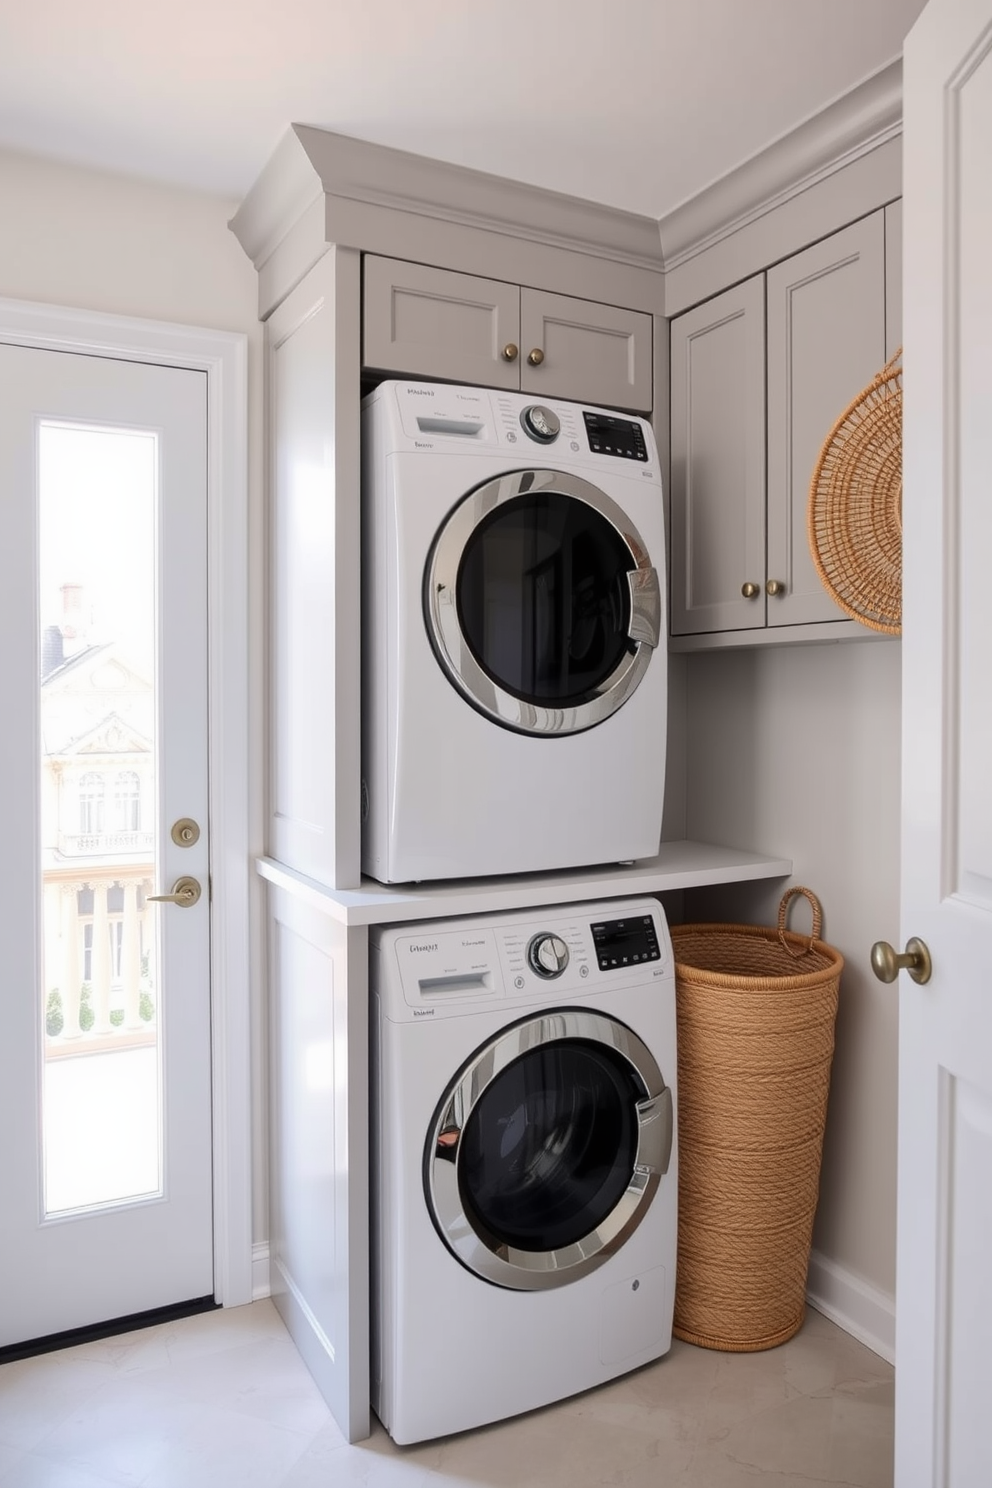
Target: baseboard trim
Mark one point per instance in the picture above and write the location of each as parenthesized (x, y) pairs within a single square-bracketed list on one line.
[(861, 1309), (260, 1280)]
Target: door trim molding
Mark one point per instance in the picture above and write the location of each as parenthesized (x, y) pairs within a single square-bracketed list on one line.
[(223, 357)]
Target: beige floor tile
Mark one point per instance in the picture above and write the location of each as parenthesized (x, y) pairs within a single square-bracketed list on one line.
[(223, 1400)]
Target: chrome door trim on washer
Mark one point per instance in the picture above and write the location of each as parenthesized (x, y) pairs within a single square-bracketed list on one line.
[(530, 1270), (453, 649)]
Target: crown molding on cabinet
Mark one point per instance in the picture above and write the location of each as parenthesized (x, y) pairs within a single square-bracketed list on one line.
[(850, 127), (320, 188), (309, 161)]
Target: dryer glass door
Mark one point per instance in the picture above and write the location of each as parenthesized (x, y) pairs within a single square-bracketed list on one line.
[(548, 1149), (541, 602)]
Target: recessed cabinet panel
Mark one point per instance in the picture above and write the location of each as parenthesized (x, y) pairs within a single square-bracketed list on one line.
[(826, 341), (432, 323), (718, 463), (592, 353)]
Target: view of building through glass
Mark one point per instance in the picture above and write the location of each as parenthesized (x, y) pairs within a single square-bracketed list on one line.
[(99, 997)]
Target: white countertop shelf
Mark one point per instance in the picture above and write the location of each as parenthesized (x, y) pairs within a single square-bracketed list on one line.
[(679, 865)]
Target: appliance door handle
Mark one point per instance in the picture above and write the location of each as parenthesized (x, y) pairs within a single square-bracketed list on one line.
[(645, 605), (656, 1122)]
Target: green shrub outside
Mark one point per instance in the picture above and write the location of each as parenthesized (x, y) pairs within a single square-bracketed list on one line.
[(55, 1015)]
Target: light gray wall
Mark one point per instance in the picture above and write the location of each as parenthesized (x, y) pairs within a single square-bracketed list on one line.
[(93, 241), (795, 750)]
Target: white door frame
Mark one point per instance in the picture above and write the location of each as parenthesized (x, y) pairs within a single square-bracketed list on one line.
[(223, 357)]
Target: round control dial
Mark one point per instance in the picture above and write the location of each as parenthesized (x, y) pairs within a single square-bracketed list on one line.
[(540, 423), (547, 955)]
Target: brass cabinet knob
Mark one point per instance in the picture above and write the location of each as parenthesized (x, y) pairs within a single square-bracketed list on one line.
[(773, 587), (750, 591), (886, 962), (535, 357), (185, 893), (510, 352)]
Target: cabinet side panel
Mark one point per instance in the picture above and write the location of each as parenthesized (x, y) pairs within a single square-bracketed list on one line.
[(314, 521), (826, 341), (319, 1148), (718, 463)]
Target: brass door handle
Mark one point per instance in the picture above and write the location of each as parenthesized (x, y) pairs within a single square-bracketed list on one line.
[(510, 352), (750, 591), (774, 586), (185, 893), (535, 357), (886, 962)]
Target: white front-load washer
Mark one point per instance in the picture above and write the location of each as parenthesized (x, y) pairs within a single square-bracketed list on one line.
[(514, 662), (524, 1196)]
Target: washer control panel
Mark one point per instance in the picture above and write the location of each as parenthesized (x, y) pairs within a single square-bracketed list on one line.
[(451, 967)]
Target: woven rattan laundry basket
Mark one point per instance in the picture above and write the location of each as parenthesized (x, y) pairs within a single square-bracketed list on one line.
[(756, 1010)]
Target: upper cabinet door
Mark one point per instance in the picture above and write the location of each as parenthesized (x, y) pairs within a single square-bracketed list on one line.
[(426, 322), (585, 351), (718, 463), (826, 341)]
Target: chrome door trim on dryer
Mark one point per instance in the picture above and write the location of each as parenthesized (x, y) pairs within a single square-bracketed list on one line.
[(488, 1253), (454, 650)]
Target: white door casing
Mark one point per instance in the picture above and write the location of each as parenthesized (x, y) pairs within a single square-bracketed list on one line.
[(944, 1280), (221, 358)]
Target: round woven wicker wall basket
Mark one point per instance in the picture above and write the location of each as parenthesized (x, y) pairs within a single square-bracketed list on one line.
[(854, 517), (755, 1008)]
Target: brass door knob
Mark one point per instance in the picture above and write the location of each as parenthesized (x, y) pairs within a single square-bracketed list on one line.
[(750, 591), (535, 357), (510, 352), (886, 962), (773, 587), (185, 893)]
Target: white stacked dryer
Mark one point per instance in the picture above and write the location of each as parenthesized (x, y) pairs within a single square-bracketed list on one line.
[(514, 661), (524, 1197)]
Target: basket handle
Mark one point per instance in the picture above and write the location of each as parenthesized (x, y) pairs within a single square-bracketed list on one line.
[(783, 912)]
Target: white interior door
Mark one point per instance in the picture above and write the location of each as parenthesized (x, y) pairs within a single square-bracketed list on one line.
[(105, 1002), (944, 1288)]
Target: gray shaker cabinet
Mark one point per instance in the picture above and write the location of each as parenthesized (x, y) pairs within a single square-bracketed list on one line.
[(425, 322), (428, 322), (826, 341), (591, 353), (718, 463), (760, 374)]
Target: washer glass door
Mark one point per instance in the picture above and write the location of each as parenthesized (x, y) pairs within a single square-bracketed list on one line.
[(541, 602), (548, 1149)]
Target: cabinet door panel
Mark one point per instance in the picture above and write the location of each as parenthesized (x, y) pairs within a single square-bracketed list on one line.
[(826, 341), (592, 353), (426, 322), (718, 462)]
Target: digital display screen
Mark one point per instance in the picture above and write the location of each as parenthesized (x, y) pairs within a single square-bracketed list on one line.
[(609, 435), (626, 942)]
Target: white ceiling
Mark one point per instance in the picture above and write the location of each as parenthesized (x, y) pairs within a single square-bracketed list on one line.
[(633, 103)]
